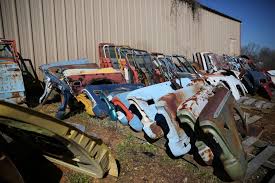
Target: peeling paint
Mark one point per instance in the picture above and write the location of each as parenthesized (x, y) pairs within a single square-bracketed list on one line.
[(11, 80), (145, 98), (214, 115)]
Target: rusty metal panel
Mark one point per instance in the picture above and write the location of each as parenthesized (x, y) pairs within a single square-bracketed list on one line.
[(145, 98), (213, 114), (11, 82), (178, 141), (217, 119)]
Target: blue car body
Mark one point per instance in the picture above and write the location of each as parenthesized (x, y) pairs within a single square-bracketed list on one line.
[(98, 94)]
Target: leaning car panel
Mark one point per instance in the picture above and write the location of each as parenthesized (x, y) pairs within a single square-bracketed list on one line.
[(85, 154), (215, 74), (124, 114), (70, 80), (11, 81), (144, 100), (53, 75), (216, 120), (236, 86), (98, 95), (178, 141), (78, 79)]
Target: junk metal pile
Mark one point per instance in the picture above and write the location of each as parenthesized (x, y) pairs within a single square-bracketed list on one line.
[(192, 104)]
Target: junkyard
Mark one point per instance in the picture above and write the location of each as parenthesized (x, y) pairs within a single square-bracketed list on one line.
[(125, 111)]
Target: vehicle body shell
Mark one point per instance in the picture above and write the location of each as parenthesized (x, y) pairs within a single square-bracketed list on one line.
[(100, 95), (11, 81), (233, 84), (214, 74), (78, 79), (71, 77)]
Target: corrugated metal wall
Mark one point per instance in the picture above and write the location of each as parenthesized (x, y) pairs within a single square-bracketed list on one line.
[(50, 30)]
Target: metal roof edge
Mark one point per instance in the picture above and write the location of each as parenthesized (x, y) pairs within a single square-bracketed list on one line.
[(219, 13)]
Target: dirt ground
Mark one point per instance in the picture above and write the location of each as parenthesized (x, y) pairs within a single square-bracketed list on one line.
[(140, 161)]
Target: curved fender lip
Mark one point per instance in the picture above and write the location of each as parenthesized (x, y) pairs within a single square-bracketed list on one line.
[(235, 164), (186, 117), (232, 82), (122, 118), (180, 147), (136, 124), (147, 118), (178, 141), (129, 118), (118, 100), (217, 119)]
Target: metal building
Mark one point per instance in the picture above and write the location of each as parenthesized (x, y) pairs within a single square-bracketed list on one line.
[(51, 30)]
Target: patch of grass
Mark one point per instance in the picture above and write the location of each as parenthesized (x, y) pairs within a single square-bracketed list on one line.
[(78, 178), (106, 122), (131, 144), (203, 173), (87, 120)]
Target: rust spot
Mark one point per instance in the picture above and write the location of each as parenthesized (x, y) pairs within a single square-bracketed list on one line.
[(213, 103), (208, 154), (157, 130), (15, 94), (194, 98), (199, 80)]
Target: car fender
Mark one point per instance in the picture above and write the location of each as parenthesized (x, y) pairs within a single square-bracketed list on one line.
[(145, 98), (231, 82)]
